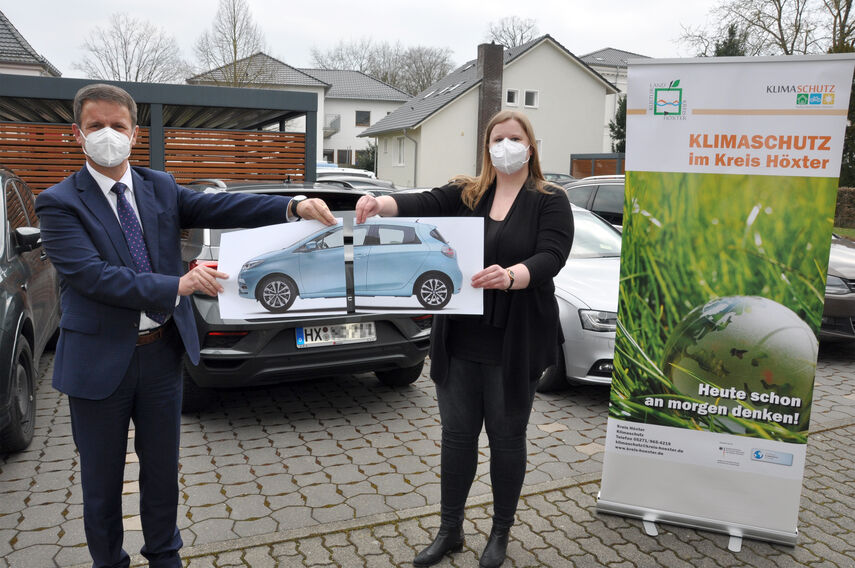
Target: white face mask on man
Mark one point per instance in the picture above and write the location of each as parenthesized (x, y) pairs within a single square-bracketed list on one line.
[(106, 147), (508, 156)]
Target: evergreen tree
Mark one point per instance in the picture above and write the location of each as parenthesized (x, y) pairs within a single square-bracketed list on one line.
[(617, 127), (733, 44)]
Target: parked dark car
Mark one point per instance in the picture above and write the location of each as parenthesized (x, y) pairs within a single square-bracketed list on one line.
[(601, 194), (838, 317), (29, 312), (242, 353)]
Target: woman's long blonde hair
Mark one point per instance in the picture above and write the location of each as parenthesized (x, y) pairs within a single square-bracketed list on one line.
[(475, 187)]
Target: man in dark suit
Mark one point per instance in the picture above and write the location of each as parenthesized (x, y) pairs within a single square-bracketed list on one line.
[(112, 232)]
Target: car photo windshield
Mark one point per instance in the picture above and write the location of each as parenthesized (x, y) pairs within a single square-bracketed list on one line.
[(593, 238)]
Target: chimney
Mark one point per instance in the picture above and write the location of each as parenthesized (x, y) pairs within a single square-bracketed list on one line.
[(489, 70)]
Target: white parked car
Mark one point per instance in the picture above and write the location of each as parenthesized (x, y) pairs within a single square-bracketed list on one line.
[(587, 294)]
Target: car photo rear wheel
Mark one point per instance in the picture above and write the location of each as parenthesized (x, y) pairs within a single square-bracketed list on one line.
[(554, 378), (433, 290), (19, 433), (276, 292), (401, 377)]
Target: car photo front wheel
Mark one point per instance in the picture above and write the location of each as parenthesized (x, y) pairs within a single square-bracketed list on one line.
[(18, 434), (433, 290), (276, 292)]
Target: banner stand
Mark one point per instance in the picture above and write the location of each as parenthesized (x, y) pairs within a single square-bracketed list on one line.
[(732, 171), (695, 522)]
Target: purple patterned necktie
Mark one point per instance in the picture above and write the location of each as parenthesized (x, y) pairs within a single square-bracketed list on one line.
[(134, 237)]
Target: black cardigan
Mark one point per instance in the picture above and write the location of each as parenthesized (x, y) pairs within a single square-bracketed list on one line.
[(538, 232)]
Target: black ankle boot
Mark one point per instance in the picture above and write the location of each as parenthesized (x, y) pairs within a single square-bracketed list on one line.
[(448, 539), (497, 547)]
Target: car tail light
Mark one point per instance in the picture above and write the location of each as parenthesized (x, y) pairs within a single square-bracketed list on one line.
[(424, 322), (223, 339), (210, 263), (448, 251)]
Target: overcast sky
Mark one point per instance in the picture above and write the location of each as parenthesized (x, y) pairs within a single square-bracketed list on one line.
[(291, 28)]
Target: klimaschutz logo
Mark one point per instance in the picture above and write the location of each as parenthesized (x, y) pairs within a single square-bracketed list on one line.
[(814, 99), (668, 100)]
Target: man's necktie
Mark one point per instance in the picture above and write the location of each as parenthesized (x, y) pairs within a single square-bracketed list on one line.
[(134, 237)]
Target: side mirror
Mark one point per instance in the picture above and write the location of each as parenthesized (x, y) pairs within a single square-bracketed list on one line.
[(310, 246), (27, 238)]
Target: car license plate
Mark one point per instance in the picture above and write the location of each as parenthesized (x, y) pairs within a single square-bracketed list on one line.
[(321, 335)]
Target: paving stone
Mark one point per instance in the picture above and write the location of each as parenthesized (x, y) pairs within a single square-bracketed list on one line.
[(294, 517), (208, 494), (302, 465), (248, 507), (42, 516)]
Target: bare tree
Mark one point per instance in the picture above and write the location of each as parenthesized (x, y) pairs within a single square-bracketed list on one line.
[(842, 31), (225, 49), (512, 31), (411, 69), (770, 27), (132, 50), (424, 66), (355, 55)]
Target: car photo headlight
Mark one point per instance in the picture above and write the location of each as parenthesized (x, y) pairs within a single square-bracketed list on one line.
[(836, 286), (251, 264), (595, 320)]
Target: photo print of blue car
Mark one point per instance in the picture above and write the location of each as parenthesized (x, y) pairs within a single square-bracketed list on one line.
[(391, 258)]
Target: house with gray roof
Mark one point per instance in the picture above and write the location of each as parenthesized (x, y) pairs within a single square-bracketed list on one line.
[(18, 57), (433, 136), (611, 63), (348, 101)]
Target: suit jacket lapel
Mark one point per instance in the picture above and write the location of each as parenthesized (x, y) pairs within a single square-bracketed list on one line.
[(147, 207), (94, 199)]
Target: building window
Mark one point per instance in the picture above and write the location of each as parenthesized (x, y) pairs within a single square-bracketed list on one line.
[(531, 99), (363, 118), (329, 155), (343, 157), (511, 97), (400, 150)]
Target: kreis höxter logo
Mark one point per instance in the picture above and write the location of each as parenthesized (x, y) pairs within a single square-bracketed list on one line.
[(668, 100)]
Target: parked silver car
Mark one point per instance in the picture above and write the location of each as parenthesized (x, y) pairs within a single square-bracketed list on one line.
[(587, 293)]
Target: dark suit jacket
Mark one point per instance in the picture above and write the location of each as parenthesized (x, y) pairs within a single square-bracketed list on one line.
[(102, 295)]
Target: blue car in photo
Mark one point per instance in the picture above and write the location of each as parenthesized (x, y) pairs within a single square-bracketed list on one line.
[(391, 258)]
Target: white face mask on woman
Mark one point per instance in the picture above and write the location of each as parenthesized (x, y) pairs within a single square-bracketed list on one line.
[(106, 147), (508, 156)]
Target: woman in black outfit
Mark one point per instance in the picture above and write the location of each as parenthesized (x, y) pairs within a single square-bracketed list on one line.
[(485, 367)]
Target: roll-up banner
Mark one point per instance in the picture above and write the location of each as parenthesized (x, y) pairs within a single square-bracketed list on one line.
[(732, 173)]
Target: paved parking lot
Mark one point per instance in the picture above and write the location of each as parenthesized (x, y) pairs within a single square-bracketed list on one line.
[(345, 471)]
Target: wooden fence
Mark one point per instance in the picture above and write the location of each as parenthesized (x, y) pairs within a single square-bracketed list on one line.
[(45, 154), (234, 154)]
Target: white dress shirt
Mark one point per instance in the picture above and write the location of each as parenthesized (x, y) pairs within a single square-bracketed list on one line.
[(106, 185)]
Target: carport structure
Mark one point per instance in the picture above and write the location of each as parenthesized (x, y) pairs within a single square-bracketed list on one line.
[(192, 132)]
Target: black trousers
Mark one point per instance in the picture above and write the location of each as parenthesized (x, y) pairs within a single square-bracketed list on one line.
[(150, 395), (472, 397)]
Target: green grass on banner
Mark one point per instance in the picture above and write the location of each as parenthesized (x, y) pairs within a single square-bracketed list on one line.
[(689, 238)]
